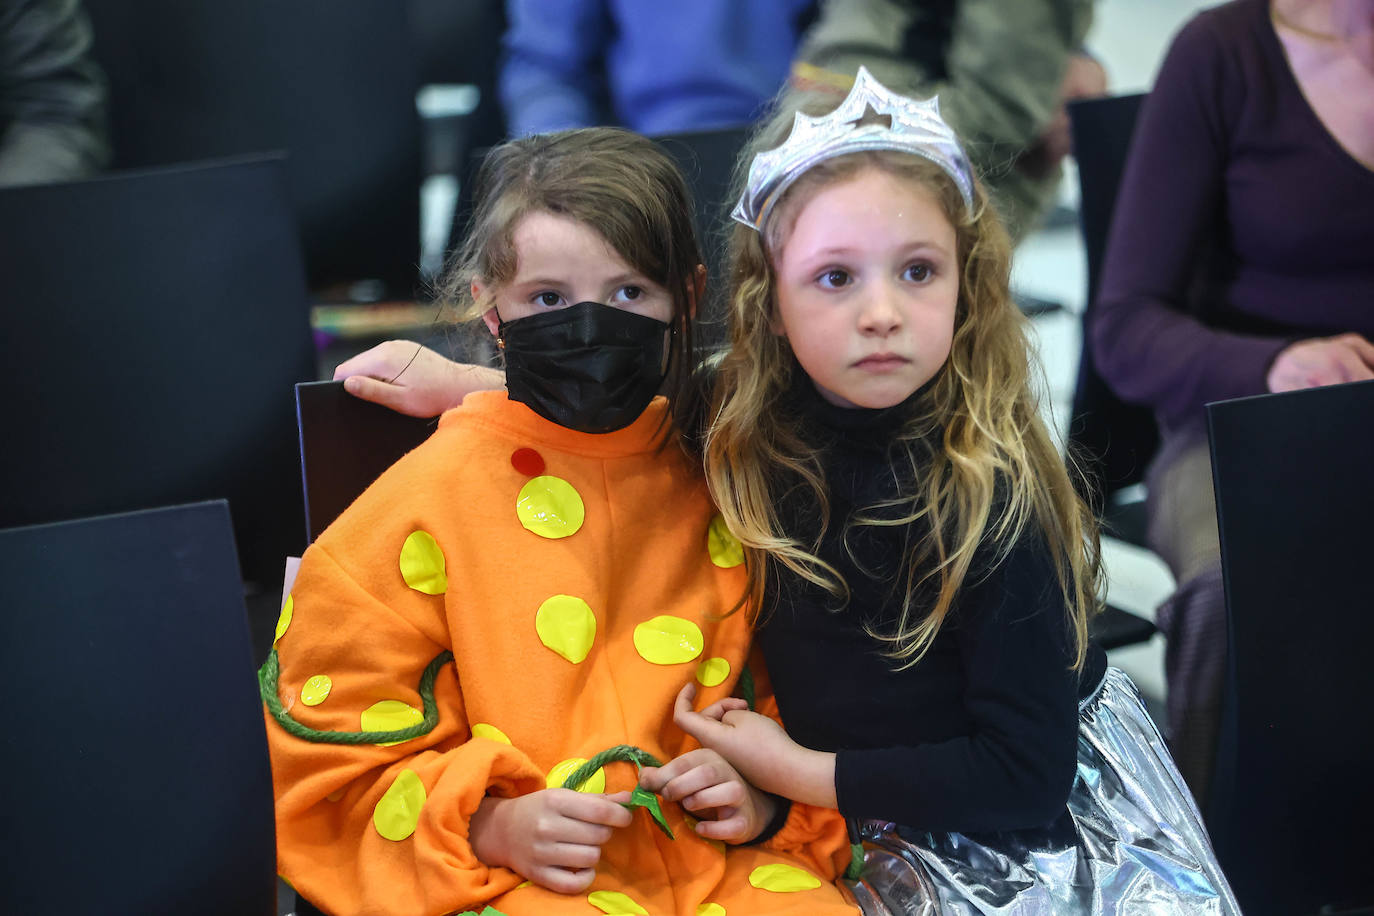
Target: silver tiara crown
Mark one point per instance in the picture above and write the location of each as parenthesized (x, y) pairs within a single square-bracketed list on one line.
[(916, 128)]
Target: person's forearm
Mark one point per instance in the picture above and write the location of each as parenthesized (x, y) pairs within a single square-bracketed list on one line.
[(803, 775)]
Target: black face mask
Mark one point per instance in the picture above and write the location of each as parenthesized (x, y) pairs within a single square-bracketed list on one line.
[(588, 367)]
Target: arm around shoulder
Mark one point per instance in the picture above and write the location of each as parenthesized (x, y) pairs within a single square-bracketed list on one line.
[(413, 379)]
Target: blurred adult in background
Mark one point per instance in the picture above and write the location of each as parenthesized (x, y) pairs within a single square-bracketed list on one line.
[(1240, 261), (1003, 71), (653, 67), (52, 96)]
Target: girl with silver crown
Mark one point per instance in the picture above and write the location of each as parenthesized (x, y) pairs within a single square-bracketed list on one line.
[(923, 568)]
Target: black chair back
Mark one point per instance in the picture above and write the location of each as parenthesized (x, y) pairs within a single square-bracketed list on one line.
[(1292, 801), (346, 443), (1114, 439), (155, 323), (136, 774), (332, 84)]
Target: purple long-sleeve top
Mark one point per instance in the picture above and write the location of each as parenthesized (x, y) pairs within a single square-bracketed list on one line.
[(1241, 226)]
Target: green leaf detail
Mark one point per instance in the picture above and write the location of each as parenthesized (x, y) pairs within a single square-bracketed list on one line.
[(643, 798)]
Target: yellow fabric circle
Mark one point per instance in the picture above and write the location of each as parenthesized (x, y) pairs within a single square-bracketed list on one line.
[(287, 610), (316, 690), (567, 626), (668, 640), (595, 785), (725, 549), (614, 903), (388, 716), (713, 671), (550, 507), (483, 730), (783, 879), (710, 909), (398, 812), (422, 564)]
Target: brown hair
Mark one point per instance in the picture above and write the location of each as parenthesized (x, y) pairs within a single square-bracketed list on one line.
[(989, 468), (614, 181)]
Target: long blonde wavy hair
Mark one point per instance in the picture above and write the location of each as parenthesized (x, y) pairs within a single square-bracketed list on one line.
[(984, 469)]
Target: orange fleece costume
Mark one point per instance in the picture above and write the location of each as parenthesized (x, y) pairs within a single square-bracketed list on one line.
[(578, 581)]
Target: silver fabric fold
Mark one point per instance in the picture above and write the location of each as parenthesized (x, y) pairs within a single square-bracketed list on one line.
[(1130, 842)]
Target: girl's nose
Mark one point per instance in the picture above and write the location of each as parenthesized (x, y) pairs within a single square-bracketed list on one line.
[(880, 315)]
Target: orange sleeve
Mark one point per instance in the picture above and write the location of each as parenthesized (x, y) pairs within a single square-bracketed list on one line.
[(362, 826)]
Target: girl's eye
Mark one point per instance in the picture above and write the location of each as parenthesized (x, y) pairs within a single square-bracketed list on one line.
[(833, 279), (919, 273), (628, 293), (548, 298)]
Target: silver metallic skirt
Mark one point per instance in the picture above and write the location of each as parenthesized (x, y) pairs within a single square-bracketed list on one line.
[(1131, 841)]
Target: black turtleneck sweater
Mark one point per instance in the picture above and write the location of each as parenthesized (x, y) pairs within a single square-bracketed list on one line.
[(979, 735)]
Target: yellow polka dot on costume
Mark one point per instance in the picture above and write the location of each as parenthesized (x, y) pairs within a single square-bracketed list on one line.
[(284, 621), (614, 903), (422, 564), (550, 507), (398, 811), (783, 879), (725, 549), (668, 640), (523, 884), (567, 626), (388, 716), (483, 730), (710, 909), (596, 784), (316, 690), (713, 671)]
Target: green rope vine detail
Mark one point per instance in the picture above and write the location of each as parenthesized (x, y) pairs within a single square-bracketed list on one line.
[(270, 672), (621, 752), (856, 862), (746, 686)]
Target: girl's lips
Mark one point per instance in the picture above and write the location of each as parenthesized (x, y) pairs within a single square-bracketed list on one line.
[(881, 361)]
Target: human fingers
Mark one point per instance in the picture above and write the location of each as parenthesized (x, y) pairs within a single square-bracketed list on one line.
[(378, 392), (383, 361), (723, 795), (561, 880), (733, 828), (592, 809), (1362, 347), (719, 708)]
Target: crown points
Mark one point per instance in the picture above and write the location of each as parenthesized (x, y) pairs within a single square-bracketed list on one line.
[(857, 124)]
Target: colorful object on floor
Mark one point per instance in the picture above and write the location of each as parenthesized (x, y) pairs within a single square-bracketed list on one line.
[(550, 507), (398, 811), (668, 640), (422, 564), (567, 626), (783, 879)]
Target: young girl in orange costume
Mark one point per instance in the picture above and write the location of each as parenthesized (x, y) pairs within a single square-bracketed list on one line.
[(527, 591), (925, 567)]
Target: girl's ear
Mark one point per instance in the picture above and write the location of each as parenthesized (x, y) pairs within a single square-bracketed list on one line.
[(489, 317)]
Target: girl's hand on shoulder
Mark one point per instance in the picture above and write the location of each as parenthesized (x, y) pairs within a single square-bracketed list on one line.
[(705, 784), (553, 837), (412, 379)]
